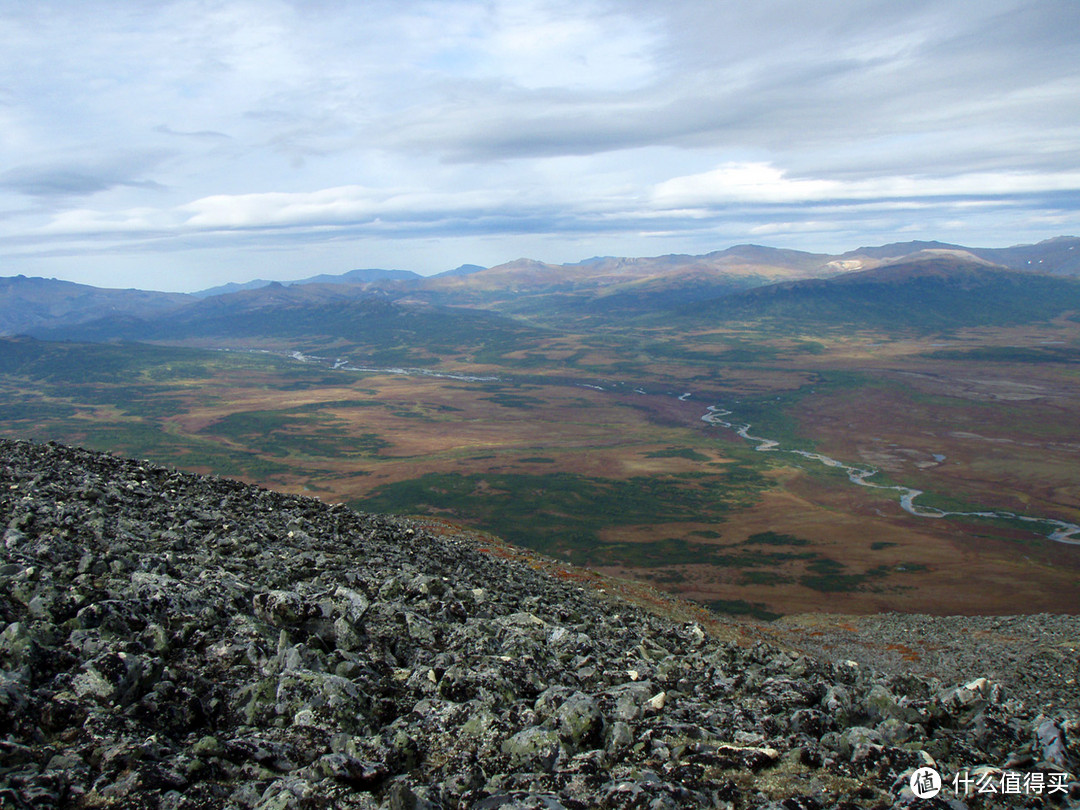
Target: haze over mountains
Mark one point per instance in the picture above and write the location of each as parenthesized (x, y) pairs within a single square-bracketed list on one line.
[(924, 284)]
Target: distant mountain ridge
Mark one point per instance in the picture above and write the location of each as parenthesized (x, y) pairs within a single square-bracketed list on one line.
[(1058, 256), (934, 289), (605, 286), (461, 270), (26, 302), (360, 276), (310, 317)]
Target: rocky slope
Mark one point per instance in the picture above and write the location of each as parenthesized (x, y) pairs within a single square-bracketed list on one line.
[(177, 641)]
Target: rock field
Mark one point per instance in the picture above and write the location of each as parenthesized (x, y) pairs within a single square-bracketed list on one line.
[(177, 641)]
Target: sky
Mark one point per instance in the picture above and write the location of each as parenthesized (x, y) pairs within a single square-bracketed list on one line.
[(179, 145)]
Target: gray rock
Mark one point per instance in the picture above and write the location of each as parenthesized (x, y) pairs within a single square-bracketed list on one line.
[(619, 737), (580, 723), (180, 641), (533, 748)]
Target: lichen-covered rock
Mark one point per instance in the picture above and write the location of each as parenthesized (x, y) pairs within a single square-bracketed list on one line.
[(533, 748), (176, 641), (580, 722)]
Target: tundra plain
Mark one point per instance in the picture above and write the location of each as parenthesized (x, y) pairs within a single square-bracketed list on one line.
[(590, 447)]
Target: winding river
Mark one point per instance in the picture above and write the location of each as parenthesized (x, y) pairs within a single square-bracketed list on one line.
[(1062, 532)]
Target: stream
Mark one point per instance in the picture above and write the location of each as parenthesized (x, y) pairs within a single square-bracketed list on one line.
[(1061, 531)]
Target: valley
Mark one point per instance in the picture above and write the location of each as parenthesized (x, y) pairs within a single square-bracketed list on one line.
[(620, 473), (585, 437)]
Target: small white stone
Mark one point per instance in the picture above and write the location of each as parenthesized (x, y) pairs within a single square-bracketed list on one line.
[(304, 717), (978, 685)]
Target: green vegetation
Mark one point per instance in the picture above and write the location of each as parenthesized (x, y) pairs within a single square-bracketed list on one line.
[(120, 397), (731, 350), (143, 439), (77, 364), (515, 401), (303, 430), (671, 551), (1010, 354), (566, 512), (25, 408), (765, 578), (740, 607), (774, 539), (829, 576)]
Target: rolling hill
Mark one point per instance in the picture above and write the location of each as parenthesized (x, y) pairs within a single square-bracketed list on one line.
[(601, 289), (931, 290), (307, 317), (1059, 256), (360, 276), (28, 302)]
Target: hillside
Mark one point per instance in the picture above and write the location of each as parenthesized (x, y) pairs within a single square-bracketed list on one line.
[(181, 641), (308, 317), (364, 276), (610, 285), (603, 290), (26, 303), (932, 290), (1059, 256)]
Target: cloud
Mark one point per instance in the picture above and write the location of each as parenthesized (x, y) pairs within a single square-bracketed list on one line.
[(764, 183), (740, 182), (205, 134), (786, 77), (77, 178), (53, 181), (599, 124), (333, 206)]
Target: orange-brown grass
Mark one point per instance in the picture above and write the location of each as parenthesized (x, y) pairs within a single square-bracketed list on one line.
[(443, 426), (1007, 431)]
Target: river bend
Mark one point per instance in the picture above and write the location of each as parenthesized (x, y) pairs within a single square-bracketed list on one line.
[(1062, 531)]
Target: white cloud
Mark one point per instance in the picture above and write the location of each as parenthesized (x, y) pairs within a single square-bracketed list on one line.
[(329, 206), (538, 45), (740, 182), (405, 125), (764, 183), (802, 226), (87, 222)]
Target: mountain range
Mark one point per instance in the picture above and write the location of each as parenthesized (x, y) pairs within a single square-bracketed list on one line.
[(933, 290), (919, 284)]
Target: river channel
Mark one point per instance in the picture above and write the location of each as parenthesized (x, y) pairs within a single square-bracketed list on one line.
[(1060, 531)]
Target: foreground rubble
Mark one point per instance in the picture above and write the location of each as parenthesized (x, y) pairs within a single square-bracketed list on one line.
[(177, 641)]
